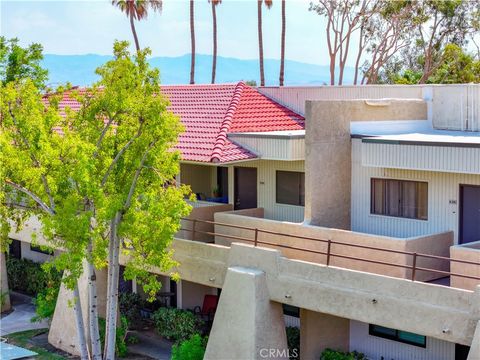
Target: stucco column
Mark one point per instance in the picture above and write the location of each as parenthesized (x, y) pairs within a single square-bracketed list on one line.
[(63, 332), (474, 353), (320, 331), (247, 324), (5, 305)]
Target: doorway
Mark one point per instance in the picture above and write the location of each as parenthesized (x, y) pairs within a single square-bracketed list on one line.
[(245, 188), (469, 227)]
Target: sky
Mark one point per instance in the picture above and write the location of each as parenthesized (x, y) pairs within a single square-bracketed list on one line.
[(91, 26)]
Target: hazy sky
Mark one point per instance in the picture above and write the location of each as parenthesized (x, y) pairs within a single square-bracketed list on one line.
[(91, 26)]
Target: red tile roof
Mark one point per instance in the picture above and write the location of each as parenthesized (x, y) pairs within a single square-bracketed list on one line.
[(210, 112)]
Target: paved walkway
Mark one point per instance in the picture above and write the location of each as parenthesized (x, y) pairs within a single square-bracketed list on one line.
[(19, 318), (151, 345)]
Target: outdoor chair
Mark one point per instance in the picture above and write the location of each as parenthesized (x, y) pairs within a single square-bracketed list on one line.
[(207, 311)]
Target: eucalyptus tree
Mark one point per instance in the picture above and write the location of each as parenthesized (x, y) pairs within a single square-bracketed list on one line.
[(101, 179), (137, 10)]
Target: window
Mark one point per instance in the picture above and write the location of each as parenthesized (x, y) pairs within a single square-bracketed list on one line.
[(291, 310), (41, 249), (401, 198), (398, 335), (291, 188)]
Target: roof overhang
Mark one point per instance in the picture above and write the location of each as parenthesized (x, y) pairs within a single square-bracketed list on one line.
[(273, 145)]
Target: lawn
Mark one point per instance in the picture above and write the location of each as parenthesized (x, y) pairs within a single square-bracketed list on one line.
[(23, 338)]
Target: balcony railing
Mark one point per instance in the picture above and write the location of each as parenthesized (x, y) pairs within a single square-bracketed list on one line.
[(329, 253)]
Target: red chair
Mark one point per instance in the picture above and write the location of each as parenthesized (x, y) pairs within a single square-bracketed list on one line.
[(207, 311)]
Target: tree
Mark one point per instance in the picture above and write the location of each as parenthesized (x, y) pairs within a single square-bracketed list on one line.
[(100, 178), (137, 10), (343, 19), (282, 47), (192, 41), (268, 4), (214, 4), (17, 62)]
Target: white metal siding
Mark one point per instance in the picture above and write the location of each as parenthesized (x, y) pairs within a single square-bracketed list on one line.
[(443, 199), (376, 348), (266, 188), (420, 157), (271, 148)]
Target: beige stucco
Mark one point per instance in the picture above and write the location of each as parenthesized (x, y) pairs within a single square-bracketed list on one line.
[(328, 152), (290, 235), (321, 331), (467, 252)]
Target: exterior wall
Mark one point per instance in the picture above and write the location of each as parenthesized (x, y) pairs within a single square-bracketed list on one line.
[(465, 252), (266, 188), (193, 294), (443, 200), (36, 256), (375, 347), (272, 147), (438, 244), (454, 107), (329, 154)]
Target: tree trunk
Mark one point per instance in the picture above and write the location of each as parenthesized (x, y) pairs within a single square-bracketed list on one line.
[(112, 301), (260, 42), (282, 51), (332, 69), (214, 61), (95, 342), (192, 38), (134, 32), (82, 342)]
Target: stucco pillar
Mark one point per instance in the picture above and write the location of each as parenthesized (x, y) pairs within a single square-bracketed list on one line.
[(63, 332), (5, 305), (247, 324), (320, 331), (474, 353)]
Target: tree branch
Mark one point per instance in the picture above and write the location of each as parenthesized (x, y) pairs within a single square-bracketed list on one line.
[(32, 196)]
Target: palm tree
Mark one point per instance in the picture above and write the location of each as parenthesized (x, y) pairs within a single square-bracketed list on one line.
[(137, 10), (282, 51), (214, 4), (268, 3), (192, 38)]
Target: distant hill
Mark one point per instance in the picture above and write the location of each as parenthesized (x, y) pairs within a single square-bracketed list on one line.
[(80, 70)]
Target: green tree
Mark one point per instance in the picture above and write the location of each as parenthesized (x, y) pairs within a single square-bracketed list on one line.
[(17, 62), (137, 10), (98, 187), (456, 67)]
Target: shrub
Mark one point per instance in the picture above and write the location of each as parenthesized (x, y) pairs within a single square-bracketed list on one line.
[(176, 324), (130, 305), (330, 354), (45, 303), (191, 349), (29, 277), (121, 334), (293, 341)]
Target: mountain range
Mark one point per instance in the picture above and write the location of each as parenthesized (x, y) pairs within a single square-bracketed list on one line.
[(80, 70)]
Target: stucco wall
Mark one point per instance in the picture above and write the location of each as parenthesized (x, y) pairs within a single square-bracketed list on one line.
[(202, 179), (28, 253), (443, 200), (329, 155), (437, 244), (466, 252)]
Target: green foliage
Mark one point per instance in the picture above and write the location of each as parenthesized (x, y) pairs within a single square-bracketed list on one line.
[(45, 303), (176, 324), (3, 296), (130, 305), (18, 63), (293, 341), (456, 67), (121, 348), (330, 354), (191, 349), (30, 277)]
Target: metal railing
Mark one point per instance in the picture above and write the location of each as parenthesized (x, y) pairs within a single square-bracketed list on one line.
[(329, 254)]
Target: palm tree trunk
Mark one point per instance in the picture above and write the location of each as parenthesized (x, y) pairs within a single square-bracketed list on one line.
[(260, 42), (282, 53), (77, 308), (134, 32), (214, 60), (192, 38)]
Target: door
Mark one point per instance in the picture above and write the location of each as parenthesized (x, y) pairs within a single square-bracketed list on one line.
[(469, 214), (245, 188)]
